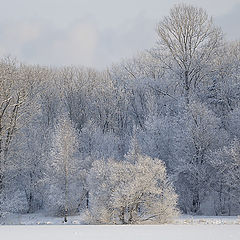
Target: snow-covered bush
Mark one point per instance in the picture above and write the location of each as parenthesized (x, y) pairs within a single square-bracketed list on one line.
[(130, 192)]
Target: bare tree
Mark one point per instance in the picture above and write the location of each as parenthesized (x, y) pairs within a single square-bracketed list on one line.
[(19, 85), (188, 39), (62, 167)]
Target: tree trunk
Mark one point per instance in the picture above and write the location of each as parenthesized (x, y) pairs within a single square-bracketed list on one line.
[(66, 192), (196, 202), (186, 87), (87, 199), (122, 215)]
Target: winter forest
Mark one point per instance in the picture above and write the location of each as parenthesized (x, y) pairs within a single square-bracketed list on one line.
[(145, 140)]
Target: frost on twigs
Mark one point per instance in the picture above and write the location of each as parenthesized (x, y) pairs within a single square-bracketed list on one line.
[(130, 193)]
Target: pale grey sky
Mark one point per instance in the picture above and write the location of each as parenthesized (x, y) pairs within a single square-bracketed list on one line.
[(93, 33)]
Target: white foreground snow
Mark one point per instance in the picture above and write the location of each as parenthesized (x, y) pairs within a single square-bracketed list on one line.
[(146, 232), (40, 227)]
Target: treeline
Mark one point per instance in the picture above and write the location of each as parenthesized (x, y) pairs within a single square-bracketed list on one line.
[(74, 139)]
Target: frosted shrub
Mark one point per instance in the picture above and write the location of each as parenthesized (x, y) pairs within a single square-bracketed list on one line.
[(130, 193)]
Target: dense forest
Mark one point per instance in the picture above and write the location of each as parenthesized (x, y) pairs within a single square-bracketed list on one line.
[(147, 138)]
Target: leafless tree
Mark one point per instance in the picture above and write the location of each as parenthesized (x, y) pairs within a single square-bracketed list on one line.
[(19, 85), (188, 39)]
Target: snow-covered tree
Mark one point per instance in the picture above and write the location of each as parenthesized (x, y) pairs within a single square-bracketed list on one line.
[(188, 40), (226, 178), (19, 94), (130, 192), (63, 170), (201, 134)]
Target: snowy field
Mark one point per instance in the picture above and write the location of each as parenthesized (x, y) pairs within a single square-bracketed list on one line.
[(183, 228), (146, 232), (42, 219)]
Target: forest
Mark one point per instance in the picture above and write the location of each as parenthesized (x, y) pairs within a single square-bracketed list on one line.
[(144, 140)]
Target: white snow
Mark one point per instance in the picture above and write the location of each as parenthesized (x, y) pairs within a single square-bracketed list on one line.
[(37, 219), (145, 232), (38, 226), (42, 218)]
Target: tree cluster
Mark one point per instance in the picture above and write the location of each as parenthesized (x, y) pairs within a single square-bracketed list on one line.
[(76, 140)]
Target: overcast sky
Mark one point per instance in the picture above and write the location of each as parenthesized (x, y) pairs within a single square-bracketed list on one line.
[(93, 33)]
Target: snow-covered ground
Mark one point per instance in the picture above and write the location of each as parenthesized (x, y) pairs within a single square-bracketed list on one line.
[(43, 219), (37, 219), (183, 228), (220, 220), (145, 232)]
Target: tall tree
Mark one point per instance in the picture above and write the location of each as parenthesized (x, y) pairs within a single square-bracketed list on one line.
[(187, 41), (19, 87), (63, 167)]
